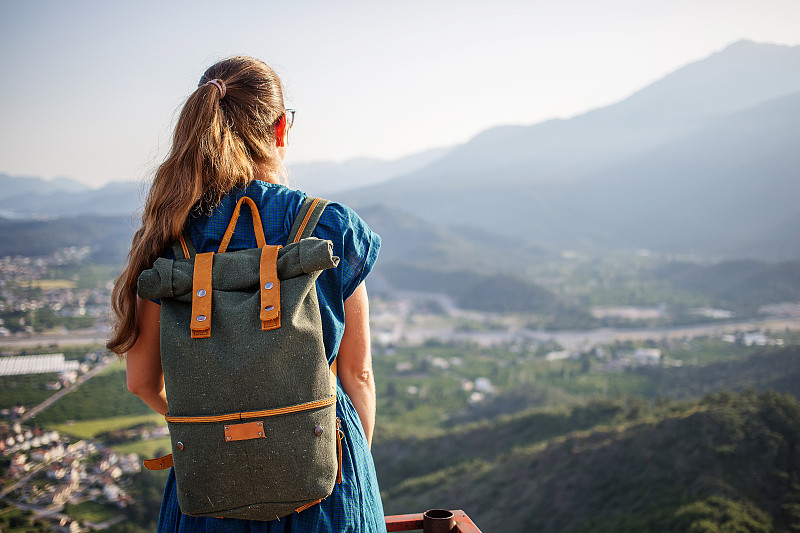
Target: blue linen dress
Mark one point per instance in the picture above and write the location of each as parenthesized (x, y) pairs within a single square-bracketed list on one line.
[(355, 504)]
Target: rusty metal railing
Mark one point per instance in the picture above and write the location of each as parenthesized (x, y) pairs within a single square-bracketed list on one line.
[(413, 522)]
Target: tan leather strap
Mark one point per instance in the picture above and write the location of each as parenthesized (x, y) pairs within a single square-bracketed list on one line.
[(339, 437), (303, 224), (201, 296), (270, 288), (184, 247), (159, 463), (258, 228), (252, 414), (306, 506)]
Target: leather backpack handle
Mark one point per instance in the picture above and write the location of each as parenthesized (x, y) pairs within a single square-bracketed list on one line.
[(258, 228)]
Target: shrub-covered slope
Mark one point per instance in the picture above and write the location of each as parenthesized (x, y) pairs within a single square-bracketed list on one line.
[(727, 463)]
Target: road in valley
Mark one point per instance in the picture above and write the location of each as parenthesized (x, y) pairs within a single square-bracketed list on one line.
[(575, 341), (405, 330), (63, 392), (72, 338)]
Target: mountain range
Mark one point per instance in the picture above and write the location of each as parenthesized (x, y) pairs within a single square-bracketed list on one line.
[(704, 161)]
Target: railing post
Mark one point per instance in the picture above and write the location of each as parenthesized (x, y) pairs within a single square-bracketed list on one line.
[(438, 521), (414, 522)]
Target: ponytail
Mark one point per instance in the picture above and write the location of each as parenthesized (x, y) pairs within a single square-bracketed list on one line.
[(216, 146)]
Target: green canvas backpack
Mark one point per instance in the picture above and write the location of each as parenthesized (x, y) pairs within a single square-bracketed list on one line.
[(252, 400)]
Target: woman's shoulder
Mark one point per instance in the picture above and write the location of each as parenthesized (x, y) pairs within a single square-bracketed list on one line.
[(341, 216), (336, 216), (341, 220), (354, 242), (266, 194), (263, 192), (279, 205)]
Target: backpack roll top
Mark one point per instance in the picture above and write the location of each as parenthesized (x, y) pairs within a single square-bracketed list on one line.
[(252, 401), (235, 271)]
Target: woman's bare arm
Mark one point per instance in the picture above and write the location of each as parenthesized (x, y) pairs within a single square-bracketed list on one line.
[(355, 359), (143, 360)]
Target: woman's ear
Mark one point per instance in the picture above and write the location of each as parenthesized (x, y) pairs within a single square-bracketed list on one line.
[(280, 131)]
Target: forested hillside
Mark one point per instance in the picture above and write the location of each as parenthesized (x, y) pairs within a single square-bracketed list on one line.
[(729, 462), (109, 237)]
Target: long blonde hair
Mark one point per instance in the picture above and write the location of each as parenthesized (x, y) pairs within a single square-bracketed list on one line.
[(217, 144)]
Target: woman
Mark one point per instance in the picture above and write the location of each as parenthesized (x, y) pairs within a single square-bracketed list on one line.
[(229, 142)]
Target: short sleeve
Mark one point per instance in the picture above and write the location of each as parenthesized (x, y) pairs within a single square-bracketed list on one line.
[(354, 242)]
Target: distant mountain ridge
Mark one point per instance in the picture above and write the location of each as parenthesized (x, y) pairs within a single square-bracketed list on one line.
[(703, 161), (714, 177), (39, 199), (743, 75), (16, 186), (21, 189), (324, 178)]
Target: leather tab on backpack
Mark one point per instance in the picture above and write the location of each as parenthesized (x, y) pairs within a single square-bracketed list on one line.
[(270, 289), (159, 463), (246, 431), (201, 296)]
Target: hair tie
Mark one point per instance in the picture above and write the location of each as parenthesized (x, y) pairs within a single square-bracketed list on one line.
[(220, 85)]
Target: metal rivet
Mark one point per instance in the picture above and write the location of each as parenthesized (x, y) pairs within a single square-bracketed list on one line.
[(201, 293), (260, 434), (260, 424), (201, 318), (180, 445), (318, 431), (227, 428), (268, 285), (269, 308), (229, 437)]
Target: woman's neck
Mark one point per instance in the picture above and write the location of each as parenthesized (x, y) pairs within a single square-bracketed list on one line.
[(264, 173)]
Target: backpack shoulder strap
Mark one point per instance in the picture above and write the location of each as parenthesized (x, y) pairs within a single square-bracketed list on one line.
[(184, 248), (306, 218)]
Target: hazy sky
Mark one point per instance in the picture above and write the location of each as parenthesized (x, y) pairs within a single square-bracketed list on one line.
[(90, 90)]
